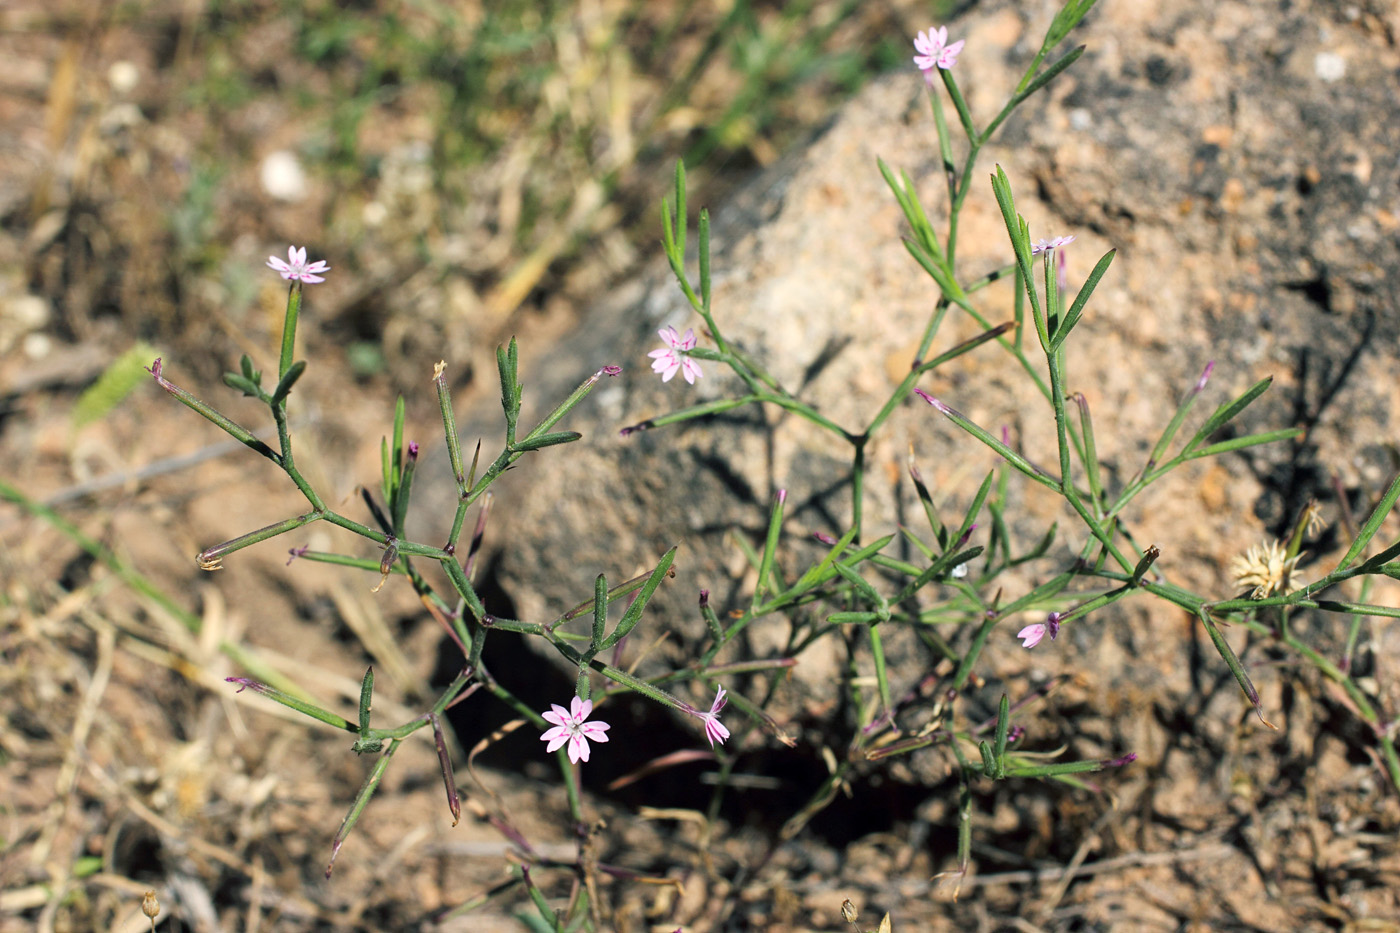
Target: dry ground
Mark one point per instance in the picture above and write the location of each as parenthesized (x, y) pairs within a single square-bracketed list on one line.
[(127, 764)]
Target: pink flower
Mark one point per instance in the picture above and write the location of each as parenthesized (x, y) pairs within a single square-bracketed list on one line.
[(714, 729), (569, 726), (1031, 635), (297, 268), (1043, 245), (935, 52), (674, 356)]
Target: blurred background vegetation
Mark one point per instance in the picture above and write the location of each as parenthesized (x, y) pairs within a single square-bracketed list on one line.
[(469, 169)]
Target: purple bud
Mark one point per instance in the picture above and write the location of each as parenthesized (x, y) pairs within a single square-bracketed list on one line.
[(966, 535), (1120, 762), (1061, 279), (612, 370), (782, 496), (1006, 435), (413, 450), (824, 538), (155, 370), (932, 401), (704, 598), (1052, 624), (1200, 383)]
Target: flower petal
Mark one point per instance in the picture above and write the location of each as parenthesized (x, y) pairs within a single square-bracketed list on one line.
[(1031, 635), (578, 749)]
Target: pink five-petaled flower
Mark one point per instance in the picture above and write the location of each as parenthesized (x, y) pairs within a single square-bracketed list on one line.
[(1043, 245), (675, 356), (714, 729), (296, 268), (935, 52), (569, 726), (1032, 634)]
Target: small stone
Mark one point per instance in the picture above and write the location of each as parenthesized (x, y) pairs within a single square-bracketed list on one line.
[(1329, 66), (282, 176)]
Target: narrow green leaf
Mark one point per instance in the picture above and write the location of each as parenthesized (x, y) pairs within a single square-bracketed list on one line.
[(1048, 75), (822, 569), (1003, 731), (858, 618), (926, 500), (704, 236), (770, 547), (284, 385), (362, 800), (867, 592), (989, 761), (1009, 455), (246, 386), (1373, 524), (1091, 450), (633, 614), (366, 700), (1249, 440), (974, 508), (396, 453), (1227, 412), (535, 442), (507, 361), (600, 610), (1076, 310), (681, 213), (1227, 654)]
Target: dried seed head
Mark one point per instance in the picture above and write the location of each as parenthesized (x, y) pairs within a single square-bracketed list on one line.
[(1265, 568)]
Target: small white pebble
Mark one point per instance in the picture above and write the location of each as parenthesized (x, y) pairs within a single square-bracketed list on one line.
[(123, 77), (1329, 66), (36, 346), (374, 214), (282, 176)]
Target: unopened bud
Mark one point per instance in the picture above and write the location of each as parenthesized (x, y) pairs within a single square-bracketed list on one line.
[(1205, 376), (150, 906), (933, 401)]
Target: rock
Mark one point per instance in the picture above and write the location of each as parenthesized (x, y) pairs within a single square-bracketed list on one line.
[(1250, 189)]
